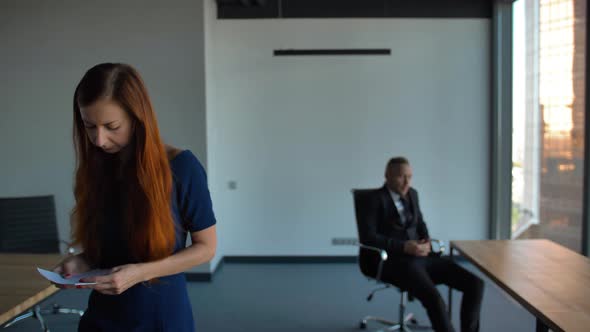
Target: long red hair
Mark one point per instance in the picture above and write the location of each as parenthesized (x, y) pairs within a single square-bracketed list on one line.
[(147, 217)]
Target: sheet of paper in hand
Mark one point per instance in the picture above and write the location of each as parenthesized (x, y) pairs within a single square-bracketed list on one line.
[(73, 280)]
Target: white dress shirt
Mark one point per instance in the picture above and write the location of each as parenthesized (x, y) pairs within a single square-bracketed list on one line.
[(397, 200)]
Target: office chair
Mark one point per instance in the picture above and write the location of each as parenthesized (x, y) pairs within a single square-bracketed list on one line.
[(29, 225), (368, 255)]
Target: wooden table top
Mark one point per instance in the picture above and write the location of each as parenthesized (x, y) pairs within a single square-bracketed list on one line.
[(549, 280), (21, 286)]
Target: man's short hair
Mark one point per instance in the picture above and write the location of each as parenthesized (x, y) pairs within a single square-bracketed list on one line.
[(396, 161)]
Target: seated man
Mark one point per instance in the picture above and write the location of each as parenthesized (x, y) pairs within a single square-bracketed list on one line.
[(394, 223)]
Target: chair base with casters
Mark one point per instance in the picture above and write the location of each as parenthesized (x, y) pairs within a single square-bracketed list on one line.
[(38, 313), (407, 322)]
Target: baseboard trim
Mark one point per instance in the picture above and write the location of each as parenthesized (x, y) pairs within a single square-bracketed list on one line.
[(290, 259), (199, 276), (208, 276)]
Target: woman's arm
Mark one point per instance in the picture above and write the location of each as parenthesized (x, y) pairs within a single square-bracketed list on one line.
[(123, 277), (200, 251)]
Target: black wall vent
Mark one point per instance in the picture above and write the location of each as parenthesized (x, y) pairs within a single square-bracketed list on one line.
[(329, 52)]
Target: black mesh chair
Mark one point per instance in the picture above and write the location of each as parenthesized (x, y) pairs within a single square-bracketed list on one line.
[(28, 225), (369, 257)]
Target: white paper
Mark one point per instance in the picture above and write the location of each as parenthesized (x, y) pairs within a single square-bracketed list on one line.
[(73, 280)]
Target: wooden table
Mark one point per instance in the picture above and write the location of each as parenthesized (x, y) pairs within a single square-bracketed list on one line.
[(550, 281), (21, 286)]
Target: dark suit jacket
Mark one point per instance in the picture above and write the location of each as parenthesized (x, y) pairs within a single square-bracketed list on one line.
[(382, 223)]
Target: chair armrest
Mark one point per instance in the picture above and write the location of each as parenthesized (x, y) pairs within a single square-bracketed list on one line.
[(382, 252), (382, 256)]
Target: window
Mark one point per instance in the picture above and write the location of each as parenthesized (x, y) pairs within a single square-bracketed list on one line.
[(548, 120)]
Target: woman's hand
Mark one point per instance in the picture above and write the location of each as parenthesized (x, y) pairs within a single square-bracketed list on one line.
[(71, 265), (119, 280)]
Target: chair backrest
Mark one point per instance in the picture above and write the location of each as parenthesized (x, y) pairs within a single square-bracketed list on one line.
[(362, 199), (368, 260), (28, 225)]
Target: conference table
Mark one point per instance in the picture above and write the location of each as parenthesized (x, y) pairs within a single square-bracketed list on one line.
[(549, 280), (21, 286)]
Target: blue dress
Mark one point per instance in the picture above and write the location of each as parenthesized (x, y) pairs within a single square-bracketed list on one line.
[(164, 305)]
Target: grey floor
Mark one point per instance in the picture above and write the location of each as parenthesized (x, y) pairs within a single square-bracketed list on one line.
[(298, 297)]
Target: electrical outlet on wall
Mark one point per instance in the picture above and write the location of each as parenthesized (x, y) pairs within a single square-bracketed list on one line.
[(344, 241)]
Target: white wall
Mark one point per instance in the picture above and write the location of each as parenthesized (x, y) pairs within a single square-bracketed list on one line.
[(297, 133), (45, 48)]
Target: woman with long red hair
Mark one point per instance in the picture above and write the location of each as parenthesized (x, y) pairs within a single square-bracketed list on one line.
[(136, 200)]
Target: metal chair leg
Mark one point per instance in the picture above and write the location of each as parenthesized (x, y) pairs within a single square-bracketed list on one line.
[(37, 312), (39, 317), (19, 318)]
